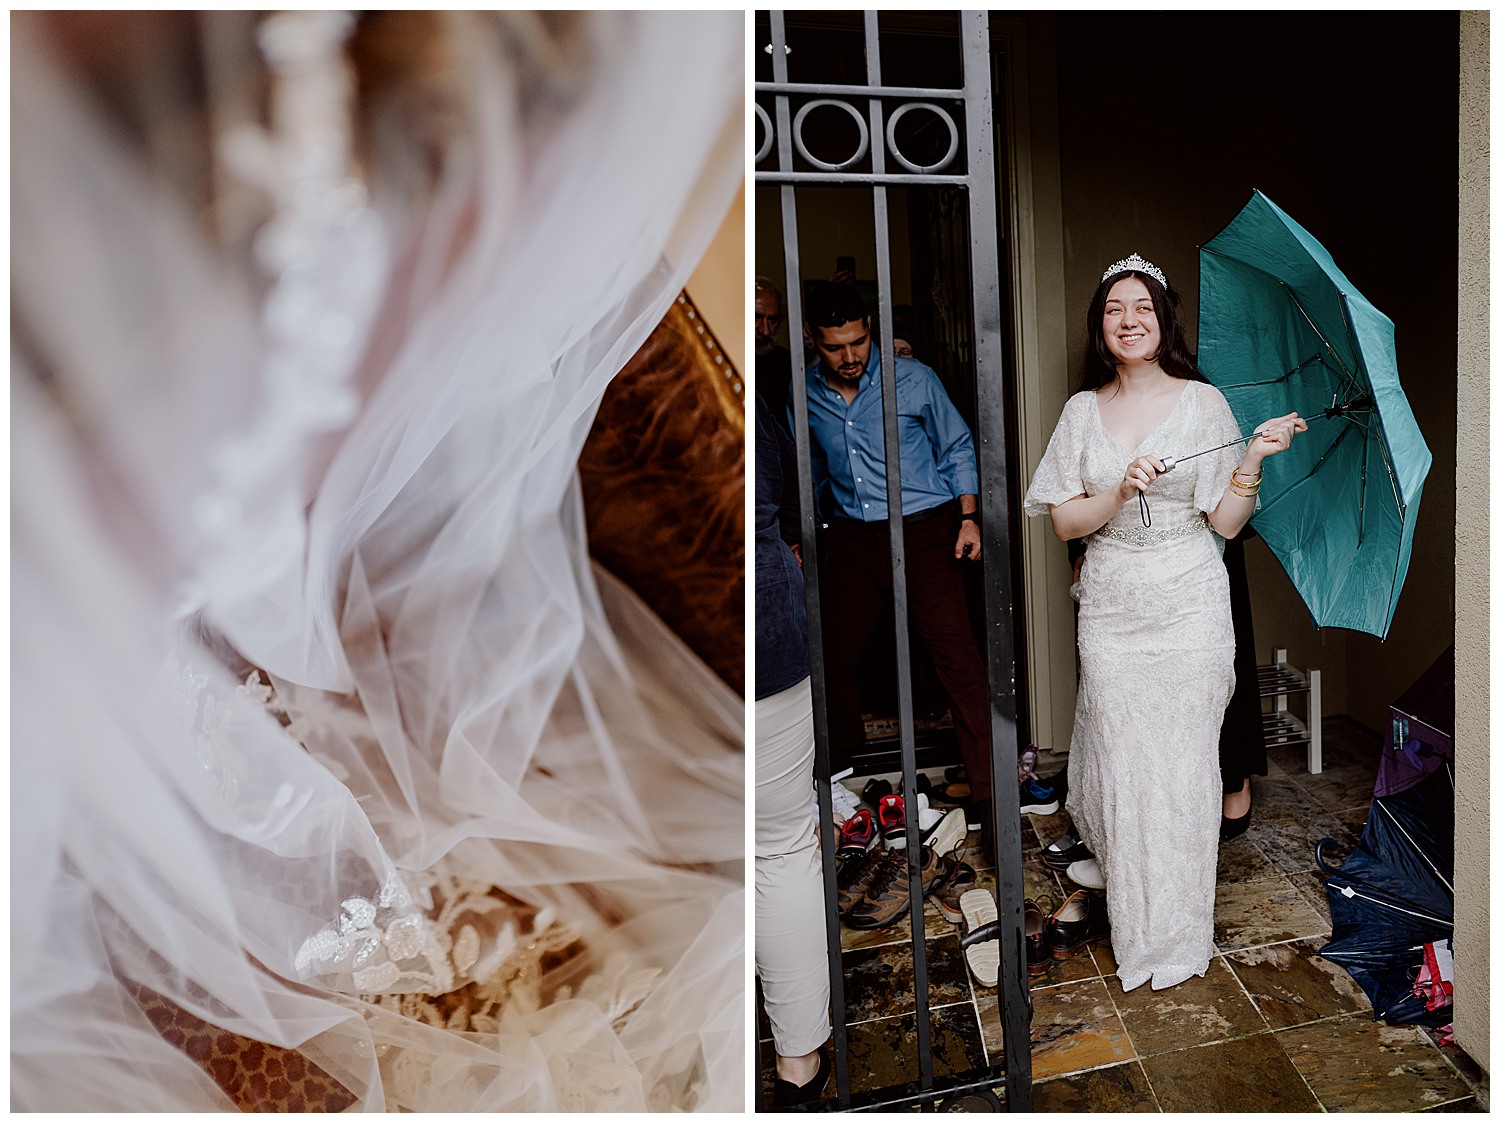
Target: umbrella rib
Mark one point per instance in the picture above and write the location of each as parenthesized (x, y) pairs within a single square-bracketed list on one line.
[(1283, 377), (1405, 834), (1390, 471), (1338, 440), (1343, 366), (1350, 891), (1364, 475)]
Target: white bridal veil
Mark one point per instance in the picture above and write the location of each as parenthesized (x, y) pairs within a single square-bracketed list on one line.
[(326, 736)]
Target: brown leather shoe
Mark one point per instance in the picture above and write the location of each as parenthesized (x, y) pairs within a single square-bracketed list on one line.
[(959, 880), (886, 899), (1081, 920)]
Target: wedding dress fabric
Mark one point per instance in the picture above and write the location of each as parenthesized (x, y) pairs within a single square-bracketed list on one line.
[(318, 702), (1156, 646)]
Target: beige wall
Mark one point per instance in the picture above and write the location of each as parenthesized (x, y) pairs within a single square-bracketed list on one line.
[(717, 285), (1472, 570)]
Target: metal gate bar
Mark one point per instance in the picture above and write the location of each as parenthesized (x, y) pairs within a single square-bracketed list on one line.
[(978, 179), (815, 648)]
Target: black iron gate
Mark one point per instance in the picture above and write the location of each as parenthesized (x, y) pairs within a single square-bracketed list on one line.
[(966, 169)]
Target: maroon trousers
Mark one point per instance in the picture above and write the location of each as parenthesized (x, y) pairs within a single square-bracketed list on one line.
[(856, 584)]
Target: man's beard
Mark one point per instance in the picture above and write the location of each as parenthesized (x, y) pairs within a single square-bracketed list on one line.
[(764, 344)]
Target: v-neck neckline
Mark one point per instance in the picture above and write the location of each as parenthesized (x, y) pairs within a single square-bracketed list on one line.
[(1160, 425)]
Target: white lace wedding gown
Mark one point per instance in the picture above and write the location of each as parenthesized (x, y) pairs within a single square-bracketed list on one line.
[(1157, 652), (319, 707)]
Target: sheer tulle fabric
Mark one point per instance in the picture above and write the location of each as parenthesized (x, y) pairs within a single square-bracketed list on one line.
[(452, 699)]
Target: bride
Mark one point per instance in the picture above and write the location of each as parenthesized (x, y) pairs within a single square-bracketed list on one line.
[(339, 778)]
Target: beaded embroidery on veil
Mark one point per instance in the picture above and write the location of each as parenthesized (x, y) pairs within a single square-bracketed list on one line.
[(319, 703)]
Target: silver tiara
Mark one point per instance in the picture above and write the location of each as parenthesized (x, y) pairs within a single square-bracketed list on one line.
[(1135, 263)]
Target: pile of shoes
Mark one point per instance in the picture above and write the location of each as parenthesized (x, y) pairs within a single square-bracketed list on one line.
[(873, 881), (1073, 858), (1062, 934)]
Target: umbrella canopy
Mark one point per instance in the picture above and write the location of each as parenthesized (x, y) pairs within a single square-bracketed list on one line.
[(1394, 895), (1280, 328)]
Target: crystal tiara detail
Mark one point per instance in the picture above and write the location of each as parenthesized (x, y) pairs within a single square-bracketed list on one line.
[(1135, 263)]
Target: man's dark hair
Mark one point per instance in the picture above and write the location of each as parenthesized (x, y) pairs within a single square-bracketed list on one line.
[(831, 305), (1099, 362)]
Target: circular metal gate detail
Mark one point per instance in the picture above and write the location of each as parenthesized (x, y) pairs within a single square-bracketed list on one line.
[(765, 122), (864, 135), (936, 110)]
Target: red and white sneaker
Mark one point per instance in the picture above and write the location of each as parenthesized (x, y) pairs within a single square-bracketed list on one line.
[(857, 836), (891, 816)]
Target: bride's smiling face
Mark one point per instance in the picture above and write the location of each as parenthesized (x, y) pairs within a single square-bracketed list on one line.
[(1130, 329)]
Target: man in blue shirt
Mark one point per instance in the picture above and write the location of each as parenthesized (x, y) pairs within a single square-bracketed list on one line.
[(939, 507)]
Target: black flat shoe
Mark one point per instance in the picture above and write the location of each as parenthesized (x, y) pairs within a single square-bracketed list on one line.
[(1065, 851), (1233, 828), (785, 1094)]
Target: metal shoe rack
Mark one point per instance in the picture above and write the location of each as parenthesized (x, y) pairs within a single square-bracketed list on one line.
[(1280, 681), (875, 107)]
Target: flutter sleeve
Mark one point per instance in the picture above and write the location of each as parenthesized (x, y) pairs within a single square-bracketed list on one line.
[(1059, 476), (1216, 426)]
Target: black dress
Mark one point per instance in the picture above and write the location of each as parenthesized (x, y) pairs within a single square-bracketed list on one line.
[(1242, 741)]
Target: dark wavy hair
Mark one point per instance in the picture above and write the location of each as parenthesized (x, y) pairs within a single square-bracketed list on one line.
[(1173, 355)]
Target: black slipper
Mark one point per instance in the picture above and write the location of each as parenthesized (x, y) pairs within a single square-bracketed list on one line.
[(785, 1094)]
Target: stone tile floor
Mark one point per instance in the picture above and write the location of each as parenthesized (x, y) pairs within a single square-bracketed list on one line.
[(1271, 1027)]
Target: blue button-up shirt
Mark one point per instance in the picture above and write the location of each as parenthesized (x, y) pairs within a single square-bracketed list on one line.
[(937, 452)]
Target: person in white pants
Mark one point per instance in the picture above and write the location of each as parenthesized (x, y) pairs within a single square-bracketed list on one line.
[(791, 941)]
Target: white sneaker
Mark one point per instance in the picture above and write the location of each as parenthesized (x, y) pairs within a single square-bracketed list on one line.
[(948, 832), (845, 802), (1087, 873)]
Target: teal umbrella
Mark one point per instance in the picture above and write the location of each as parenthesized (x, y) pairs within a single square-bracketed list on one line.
[(1280, 328)]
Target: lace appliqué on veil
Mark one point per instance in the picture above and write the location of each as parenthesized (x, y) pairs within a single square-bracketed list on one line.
[(216, 722), (467, 932)]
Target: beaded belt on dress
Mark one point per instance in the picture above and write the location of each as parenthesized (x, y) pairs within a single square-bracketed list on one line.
[(1151, 535)]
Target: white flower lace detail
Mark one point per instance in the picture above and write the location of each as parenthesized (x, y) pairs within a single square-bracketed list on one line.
[(385, 945)]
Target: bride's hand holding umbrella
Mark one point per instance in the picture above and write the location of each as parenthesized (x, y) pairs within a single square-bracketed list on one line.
[(1241, 493), (1274, 436)]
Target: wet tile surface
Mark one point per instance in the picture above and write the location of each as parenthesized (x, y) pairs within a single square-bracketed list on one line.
[(1292, 984), (1121, 1088), (1310, 885), (1104, 956), (1073, 1027), (1473, 1075), (1264, 911), (1070, 970), (1291, 844), (1248, 1075), (1241, 860), (1353, 819), (1355, 1064), (884, 1053), (1346, 781), (1196, 1012), (881, 982), (1281, 799)]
